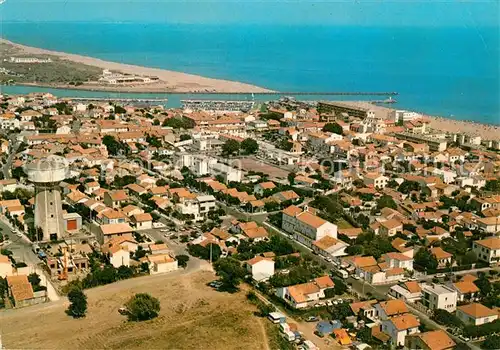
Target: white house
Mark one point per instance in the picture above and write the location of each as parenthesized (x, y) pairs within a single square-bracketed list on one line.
[(261, 268), (5, 266), (263, 186), (438, 296), (476, 314), (143, 221), (303, 295), (487, 249), (329, 247), (399, 260), (206, 204), (160, 263), (119, 256), (409, 292), (376, 180), (399, 327), (305, 226)]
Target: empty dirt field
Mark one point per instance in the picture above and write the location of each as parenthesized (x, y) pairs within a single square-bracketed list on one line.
[(193, 316), (248, 163)]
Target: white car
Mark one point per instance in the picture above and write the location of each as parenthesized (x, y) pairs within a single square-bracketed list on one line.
[(356, 277), (164, 230), (440, 275), (330, 303), (19, 234)]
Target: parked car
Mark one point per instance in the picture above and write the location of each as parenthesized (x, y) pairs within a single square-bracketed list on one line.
[(330, 303), (440, 275), (312, 319)]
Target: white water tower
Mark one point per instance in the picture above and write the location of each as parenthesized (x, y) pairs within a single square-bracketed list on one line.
[(46, 174)]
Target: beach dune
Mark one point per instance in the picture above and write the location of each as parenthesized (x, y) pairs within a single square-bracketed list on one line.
[(170, 81)]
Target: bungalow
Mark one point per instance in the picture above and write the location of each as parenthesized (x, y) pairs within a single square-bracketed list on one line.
[(476, 314), (160, 263), (431, 340), (329, 247), (131, 210), (303, 295), (284, 196), (135, 189), (263, 187), (142, 221), (261, 268), (466, 290), (21, 291), (390, 227), (160, 248), (115, 199)]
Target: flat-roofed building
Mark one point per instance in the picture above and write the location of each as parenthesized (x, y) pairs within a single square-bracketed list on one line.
[(438, 296)]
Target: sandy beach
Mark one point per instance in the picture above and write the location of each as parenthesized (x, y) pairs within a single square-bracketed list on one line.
[(487, 132), (170, 81)]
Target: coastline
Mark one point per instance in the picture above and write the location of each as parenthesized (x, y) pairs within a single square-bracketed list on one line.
[(486, 131), (170, 81)]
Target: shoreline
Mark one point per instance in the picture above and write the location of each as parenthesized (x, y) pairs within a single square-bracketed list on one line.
[(170, 81)]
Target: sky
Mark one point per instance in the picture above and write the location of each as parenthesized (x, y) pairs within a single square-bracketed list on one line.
[(472, 13)]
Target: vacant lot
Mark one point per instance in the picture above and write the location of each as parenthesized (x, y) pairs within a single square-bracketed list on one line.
[(192, 317), (248, 164)]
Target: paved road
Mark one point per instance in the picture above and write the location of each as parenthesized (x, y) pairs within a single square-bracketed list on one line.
[(12, 152)]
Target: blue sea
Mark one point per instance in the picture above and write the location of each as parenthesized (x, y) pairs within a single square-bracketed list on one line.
[(447, 71)]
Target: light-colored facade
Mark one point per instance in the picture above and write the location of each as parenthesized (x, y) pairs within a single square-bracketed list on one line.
[(487, 249), (438, 296), (260, 268), (476, 314), (305, 226)]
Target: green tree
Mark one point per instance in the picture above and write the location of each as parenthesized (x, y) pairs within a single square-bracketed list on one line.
[(185, 137), (230, 272), (334, 128), (182, 260), (230, 147), (425, 259), (142, 307), (113, 146), (34, 279), (250, 146), (291, 178), (491, 342), (78, 306), (386, 202)]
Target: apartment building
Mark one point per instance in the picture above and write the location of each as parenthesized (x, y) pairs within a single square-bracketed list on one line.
[(305, 226)]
